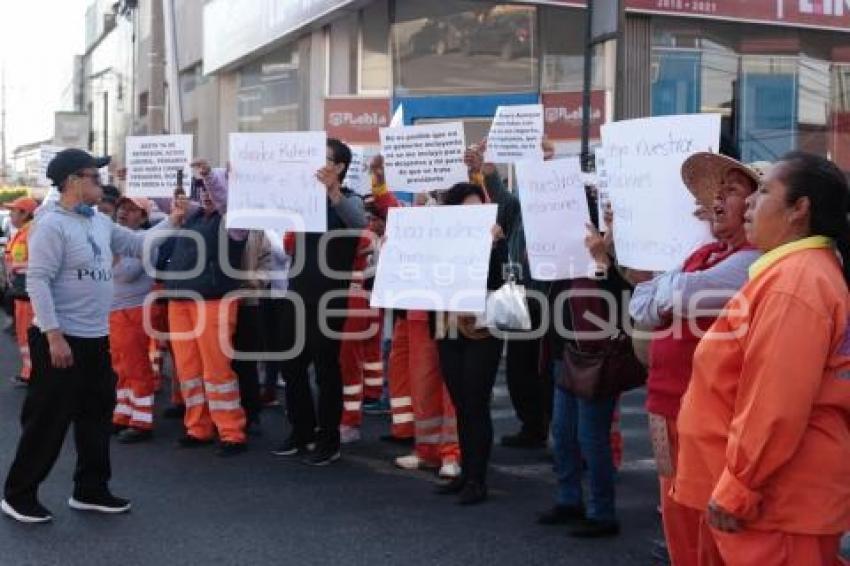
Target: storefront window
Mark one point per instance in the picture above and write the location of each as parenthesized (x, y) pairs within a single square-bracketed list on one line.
[(464, 46), (563, 35), (269, 92), (778, 89), (374, 48)]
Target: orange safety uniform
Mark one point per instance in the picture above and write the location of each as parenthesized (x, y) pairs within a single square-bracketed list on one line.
[(136, 383), (764, 428), (17, 257), (419, 401), (360, 359)]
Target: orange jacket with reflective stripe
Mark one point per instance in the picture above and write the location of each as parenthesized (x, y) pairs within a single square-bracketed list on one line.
[(764, 428), (17, 250)]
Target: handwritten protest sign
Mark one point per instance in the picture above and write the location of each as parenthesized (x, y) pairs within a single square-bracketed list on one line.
[(46, 155), (152, 164), (655, 229), (357, 179), (603, 197), (516, 134), (435, 259), (423, 158), (273, 182), (554, 214)]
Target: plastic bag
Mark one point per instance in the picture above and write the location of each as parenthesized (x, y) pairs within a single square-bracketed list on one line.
[(506, 308)]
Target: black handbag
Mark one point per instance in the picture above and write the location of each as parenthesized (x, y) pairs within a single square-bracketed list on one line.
[(604, 371)]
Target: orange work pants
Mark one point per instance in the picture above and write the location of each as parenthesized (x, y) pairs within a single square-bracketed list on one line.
[(401, 401), (208, 384), (360, 361), (135, 390), (435, 424), (23, 321), (767, 548)]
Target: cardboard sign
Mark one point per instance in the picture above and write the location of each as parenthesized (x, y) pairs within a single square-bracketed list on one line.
[(435, 258), (153, 162), (516, 134), (555, 215), (655, 229), (273, 182), (424, 158)]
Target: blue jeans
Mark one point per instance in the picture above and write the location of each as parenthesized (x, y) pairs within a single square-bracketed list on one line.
[(581, 431)]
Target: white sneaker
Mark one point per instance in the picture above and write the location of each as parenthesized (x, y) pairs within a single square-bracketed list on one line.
[(409, 462), (449, 470), (348, 434)]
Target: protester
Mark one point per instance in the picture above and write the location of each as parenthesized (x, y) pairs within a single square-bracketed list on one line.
[(324, 295), (469, 359), (764, 427), (273, 311), (128, 339), (21, 212), (679, 305), (69, 281), (201, 320)]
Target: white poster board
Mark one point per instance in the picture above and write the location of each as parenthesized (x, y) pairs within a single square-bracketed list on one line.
[(554, 217), (153, 162), (516, 134), (358, 178), (603, 197), (46, 155), (424, 158), (654, 225), (273, 184), (435, 258), (398, 117)]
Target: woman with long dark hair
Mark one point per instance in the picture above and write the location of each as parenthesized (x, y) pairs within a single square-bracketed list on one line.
[(764, 427)]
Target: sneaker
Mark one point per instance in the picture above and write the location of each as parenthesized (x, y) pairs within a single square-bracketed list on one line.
[(292, 448), (228, 449), (174, 412), (523, 439), (449, 470), (376, 407), (389, 438), (18, 381), (103, 503), (561, 515), (348, 434), (189, 441), (455, 485), (323, 456), (33, 512), (595, 528), (472, 494), (134, 435)]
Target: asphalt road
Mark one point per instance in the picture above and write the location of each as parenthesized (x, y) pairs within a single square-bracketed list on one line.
[(191, 507)]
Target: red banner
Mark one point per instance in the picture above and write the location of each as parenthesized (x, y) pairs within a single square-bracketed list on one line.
[(562, 114), (814, 13), (356, 120)]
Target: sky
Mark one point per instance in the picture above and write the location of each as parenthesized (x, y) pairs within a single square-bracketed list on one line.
[(38, 41)]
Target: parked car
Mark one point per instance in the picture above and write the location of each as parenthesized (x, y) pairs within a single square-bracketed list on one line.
[(507, 35), (438, 36)]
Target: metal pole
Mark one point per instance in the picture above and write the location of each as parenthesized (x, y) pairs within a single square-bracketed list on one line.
[(105, 122), (585, 94)]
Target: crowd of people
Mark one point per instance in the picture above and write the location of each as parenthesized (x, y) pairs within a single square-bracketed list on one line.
[(748, 360)]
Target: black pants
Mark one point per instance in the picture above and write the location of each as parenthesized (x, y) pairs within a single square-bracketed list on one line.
[(273, 311), (322, 352), (529, 388), (248, 338), (469, 369), (84, 395)]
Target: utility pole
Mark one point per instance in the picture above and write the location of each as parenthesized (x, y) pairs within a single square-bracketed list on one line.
[(156, 64), (3, 165)]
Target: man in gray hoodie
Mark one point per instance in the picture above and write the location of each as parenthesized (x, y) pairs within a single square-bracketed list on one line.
[(70, 285)]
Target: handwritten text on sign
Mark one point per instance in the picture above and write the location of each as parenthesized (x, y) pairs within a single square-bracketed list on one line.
[(554, 212), (273, 182), (152, 164), (653, 211), (435, 259), (516, 134), (423, 158)]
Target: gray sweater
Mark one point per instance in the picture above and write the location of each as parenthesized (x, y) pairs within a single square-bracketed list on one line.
[(69, 278)]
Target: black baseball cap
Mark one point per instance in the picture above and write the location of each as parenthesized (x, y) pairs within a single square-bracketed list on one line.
[(69, 161), (110, 194)]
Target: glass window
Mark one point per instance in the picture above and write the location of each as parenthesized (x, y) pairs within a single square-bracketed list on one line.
[(374, 48), (778, 89), (562, 31), (463, 46), (269, 91)]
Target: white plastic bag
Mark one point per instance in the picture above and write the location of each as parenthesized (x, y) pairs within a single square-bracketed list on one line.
[(506, 308)]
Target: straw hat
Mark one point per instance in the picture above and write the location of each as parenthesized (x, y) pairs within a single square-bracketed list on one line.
[(704, 172)]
